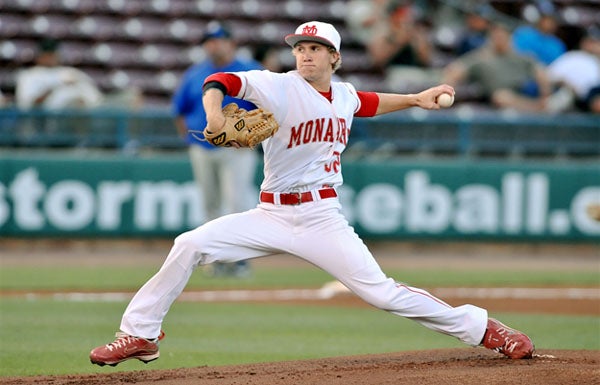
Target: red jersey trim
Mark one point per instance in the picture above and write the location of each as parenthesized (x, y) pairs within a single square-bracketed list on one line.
[(232, 83), (369, 101)]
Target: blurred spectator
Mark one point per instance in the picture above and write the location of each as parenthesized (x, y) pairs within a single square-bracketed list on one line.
[(402, 49), (577, 72), (50, 85), (540, 40), (504, 78), (225, 176), (403, 41), (475, 30), (268, 56), (593, 100), (366, 17), (3, 100)]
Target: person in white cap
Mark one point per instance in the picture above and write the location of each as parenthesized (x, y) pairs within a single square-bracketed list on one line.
[(299, 212)]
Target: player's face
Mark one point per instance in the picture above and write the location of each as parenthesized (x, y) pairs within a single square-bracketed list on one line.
[(314, 60)]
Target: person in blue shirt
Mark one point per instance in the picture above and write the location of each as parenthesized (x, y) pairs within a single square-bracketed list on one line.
[(540, 40), (225, 177)]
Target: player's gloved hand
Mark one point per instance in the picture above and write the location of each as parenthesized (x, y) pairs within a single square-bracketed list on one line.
[(242, 128)]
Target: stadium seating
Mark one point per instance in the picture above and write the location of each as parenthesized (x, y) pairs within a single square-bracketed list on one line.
[(148, 44), (135, 35), (128, 35)]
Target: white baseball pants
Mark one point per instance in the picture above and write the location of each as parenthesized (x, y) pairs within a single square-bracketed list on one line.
[(316, 232)]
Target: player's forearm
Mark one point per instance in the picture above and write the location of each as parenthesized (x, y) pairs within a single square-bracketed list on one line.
[(212, 101), (426, 99), (394, 102)]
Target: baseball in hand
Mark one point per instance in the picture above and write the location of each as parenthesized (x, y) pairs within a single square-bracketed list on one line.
[(445, 100)]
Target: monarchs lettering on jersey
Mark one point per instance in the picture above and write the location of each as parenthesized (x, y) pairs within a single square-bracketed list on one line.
[(319, 130)]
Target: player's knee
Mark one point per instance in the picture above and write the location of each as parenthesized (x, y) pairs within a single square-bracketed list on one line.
[(187, 248), (188, 241), (184, 239)]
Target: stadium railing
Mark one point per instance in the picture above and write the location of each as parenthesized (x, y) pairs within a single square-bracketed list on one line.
[(460, 132)]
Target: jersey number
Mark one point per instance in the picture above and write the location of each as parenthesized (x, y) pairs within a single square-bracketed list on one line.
[(334, 164)]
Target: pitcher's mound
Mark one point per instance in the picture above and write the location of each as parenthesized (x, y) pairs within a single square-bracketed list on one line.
[(466, 366)]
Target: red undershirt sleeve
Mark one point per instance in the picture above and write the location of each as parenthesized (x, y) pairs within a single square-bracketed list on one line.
[(369, 101), (232, 83)]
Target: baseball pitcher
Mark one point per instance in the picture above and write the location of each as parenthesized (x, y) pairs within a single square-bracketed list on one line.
[(304, 126)]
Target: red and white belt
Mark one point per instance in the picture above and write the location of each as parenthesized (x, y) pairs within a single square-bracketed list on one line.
[(297, 198)]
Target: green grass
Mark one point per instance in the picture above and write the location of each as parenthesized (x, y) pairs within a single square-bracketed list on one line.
[(47, 336), (54, 337), (130, 278)]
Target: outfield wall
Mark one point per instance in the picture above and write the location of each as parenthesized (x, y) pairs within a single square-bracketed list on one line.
[(109, 195)]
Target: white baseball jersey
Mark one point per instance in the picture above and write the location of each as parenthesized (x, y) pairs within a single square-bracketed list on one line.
[(313, 132)]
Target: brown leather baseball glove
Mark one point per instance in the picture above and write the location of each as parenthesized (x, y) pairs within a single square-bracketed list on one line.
[(246, 128)]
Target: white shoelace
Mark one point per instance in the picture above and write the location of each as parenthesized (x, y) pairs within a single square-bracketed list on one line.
[(122, 340)]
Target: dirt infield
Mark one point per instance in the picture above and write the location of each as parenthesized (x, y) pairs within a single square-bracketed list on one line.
[(449, 366)]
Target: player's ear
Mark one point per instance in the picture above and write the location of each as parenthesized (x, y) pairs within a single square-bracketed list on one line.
[(333, 57), (335, 60)]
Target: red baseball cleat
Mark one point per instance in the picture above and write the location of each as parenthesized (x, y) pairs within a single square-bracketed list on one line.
[(510, 342), (126, 347)]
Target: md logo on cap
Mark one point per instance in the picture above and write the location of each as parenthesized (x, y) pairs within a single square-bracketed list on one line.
[(318, 31), (309, 30)]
